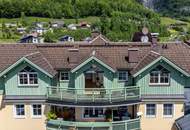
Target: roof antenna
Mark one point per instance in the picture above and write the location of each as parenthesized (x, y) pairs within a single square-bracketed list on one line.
[(93, 52)]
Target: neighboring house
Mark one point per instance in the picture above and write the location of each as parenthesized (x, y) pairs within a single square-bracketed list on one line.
[(101, 85), (21, 30), (39, 30), (8, 25), (72, 27), (40, 24), (66, 38), (57, 24), (31, 39), (84, 25)]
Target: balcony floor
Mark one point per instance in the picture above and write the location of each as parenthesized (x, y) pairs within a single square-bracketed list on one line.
[(92, 104)]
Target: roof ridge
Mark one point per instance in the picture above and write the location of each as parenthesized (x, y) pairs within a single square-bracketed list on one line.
[(155, 52), (30, 54), (38, 52), (145, 57)]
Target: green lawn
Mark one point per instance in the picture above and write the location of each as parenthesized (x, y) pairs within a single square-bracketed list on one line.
[(30, 20)]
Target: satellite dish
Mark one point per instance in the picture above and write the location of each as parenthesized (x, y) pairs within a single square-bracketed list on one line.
[(145, 30), (144, 39)]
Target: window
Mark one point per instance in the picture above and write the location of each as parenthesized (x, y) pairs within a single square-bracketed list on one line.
[(93, 112), (64, 76), (150, 110), (28, 77), (168, 110), (159, 75), (19, 111), (36, 110), (123, 76)]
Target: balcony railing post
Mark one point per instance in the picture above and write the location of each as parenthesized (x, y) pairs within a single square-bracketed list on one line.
[(126, 126), (47, 92), (76, 97), (61, 94), (110, 93), (93, 95), (125, 89)]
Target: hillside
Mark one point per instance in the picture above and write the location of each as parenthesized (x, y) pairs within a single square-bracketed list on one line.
[(118, 20), (170, 8)]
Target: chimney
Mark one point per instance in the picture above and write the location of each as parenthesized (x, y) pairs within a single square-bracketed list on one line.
[(133, 55), (154, 37), (73, 56), (94, 34)]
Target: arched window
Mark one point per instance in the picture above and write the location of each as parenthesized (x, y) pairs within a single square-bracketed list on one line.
[(159, 75), (27, 76)]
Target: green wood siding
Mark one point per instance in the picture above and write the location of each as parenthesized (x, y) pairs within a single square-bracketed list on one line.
[(121, 84), (187, 82), (177, 82), (80, 78), (11, 83), (67, 84)]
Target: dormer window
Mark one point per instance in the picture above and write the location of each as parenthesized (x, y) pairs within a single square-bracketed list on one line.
[(159, 76), (27, 77), (64, 76), (123, 76)]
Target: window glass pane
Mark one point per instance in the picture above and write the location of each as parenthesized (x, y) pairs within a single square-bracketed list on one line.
[(168, 109), (93, 112), (64, 76), (164, 77), (159, 75), (37, 110), (123, 75), (154, 77), (20, 110), (151, 109), (23, 79), (33, 78)]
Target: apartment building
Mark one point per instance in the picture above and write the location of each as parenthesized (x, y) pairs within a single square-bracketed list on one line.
[(97, 85)]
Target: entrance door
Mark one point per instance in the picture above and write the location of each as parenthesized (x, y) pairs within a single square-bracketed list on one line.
[(93, 80)]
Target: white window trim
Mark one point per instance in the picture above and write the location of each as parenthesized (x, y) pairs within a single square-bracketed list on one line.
[(64, 72), (28, 73), (83, 111), (127, 76), (19, 116), (159, 83), (151, 116), (31, 111), (168, 116)]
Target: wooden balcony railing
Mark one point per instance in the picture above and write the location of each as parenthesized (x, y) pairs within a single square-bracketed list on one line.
[(100, 95), (132, 124)]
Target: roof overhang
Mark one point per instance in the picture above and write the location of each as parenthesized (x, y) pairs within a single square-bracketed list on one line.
[(167, 61), (24, 59), (90, 59)]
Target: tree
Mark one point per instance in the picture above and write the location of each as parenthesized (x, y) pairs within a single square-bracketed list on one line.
[(23, 19)]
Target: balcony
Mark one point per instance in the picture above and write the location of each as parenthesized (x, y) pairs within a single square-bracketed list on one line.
[(132, 124), (94, 95)]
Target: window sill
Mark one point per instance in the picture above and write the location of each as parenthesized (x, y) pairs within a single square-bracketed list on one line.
[(159, 84), (20, 117), (123, 81), (36, 117), (167, 116), (147, 116), (28, 85), (64, 81)]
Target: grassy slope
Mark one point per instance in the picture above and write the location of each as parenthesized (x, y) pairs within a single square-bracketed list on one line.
[(164, 20)]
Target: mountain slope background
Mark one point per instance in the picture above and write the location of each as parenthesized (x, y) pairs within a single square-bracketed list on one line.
[(117, 19), (170, 8)]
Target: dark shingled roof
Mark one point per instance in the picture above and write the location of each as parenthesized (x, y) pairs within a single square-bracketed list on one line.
[(183, 123), (54, 56)]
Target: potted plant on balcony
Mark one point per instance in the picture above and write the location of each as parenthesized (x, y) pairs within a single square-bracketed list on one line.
[(66, 114), (51, 115), (108, 115)]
